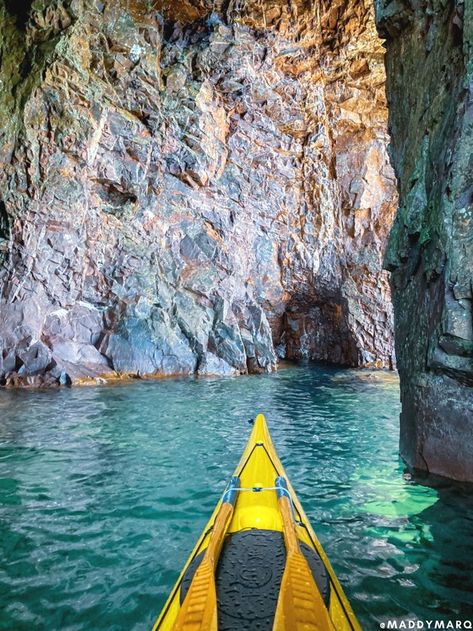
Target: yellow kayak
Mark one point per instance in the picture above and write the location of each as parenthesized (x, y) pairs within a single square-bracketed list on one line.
[(258, 565)]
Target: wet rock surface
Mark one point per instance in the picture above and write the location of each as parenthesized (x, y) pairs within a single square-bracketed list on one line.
[(191, 189), (430, 253)]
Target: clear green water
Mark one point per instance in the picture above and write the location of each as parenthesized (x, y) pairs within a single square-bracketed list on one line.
[(104, 490)]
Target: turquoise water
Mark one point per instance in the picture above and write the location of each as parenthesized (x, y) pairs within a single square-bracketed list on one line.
[(104, 490)]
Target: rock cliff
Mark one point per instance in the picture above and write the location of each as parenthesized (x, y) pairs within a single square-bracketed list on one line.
[(430, 254), (191, 187)]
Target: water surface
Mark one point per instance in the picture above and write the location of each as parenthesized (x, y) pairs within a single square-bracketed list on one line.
[(104, 490)]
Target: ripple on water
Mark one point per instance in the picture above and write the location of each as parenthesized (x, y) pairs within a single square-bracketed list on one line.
[(103, 492)]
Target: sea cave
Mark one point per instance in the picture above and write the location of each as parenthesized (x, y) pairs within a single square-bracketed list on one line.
[(207, 189)]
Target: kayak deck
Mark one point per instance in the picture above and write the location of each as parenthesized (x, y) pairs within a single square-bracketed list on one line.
[(249, 576), (251, 564)]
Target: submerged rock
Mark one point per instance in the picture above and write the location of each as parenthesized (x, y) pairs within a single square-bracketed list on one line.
[(185, 190)]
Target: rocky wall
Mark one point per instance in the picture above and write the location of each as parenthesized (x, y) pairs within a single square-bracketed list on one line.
[(191, 187), (430, 255)]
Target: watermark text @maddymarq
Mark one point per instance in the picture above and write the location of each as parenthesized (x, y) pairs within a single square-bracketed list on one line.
[(426, 624)]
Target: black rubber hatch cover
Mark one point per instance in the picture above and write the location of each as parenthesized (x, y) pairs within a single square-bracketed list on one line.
[(249, 575)]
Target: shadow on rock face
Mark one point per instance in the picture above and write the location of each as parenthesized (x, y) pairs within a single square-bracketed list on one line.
[(20, 9), (319, 331)]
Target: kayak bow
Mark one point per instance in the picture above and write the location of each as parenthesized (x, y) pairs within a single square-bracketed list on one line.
[(258, 564)]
